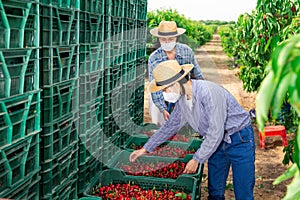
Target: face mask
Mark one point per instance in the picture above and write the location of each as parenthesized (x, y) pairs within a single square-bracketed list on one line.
[(171, 97), (168, 46)]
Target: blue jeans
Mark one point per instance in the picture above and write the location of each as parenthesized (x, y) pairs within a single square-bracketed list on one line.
[(240, 154)]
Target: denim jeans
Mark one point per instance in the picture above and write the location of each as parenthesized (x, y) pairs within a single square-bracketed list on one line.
[(240, 155)]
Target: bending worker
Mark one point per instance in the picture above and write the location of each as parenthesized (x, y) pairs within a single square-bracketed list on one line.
[(212, 111)]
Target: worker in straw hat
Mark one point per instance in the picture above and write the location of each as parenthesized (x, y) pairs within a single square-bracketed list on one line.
[(212, 111), (167, 33)]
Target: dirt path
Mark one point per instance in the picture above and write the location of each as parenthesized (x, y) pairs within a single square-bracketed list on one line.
[(216, 67)]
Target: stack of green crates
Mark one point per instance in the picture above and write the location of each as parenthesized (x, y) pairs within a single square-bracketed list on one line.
[(91, 98), (19, 100), (124, 68), (59, 75), (71, 91)]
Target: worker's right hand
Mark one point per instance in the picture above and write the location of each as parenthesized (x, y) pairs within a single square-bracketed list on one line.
[(166, 114), (136, 154)]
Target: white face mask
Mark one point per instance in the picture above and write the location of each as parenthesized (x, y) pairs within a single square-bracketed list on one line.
[(171, 97), (168, 46), (173, 93)]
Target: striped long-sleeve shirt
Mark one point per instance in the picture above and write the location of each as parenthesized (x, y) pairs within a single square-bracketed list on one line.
[(215, 115), (184, 55)]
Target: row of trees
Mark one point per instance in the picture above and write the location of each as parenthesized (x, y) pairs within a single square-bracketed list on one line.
[(268, 50)]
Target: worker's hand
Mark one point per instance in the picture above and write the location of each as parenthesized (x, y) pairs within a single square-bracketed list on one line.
[(166, 114), (191, 167), (136, 154)]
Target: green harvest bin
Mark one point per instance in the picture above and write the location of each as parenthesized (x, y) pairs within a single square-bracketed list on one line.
[(19, 71), (19, 24), (93, 6), (122, 157), (19, 117), (140, 140), (19, 162), (114, 176), (60, 100), (56, 173)]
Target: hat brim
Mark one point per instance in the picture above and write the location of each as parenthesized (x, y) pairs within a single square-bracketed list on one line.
[(154, 88), (155, 33)]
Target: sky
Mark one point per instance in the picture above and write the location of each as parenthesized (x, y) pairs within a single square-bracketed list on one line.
[(225, 10)]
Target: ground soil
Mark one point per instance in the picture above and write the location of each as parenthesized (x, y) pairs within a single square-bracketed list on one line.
[(218, 67)]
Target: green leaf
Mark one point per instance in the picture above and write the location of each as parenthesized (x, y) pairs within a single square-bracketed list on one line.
[(293, 189), (295, 64), (289, 173), (182, 195), (280, 92), (284, 54), (268, 44), (275, 41), (296, 155), (264, 99)]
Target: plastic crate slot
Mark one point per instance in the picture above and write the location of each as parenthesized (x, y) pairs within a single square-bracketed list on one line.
[(19, 21), (14, 161)]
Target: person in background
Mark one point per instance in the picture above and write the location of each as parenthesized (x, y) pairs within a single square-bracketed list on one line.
[(167, 34), (212, 111)]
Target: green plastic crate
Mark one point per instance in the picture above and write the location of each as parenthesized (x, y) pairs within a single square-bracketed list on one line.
[(141, 49), (91, 28), (90, 198), (130, 29), (58, 136), (19, 162), (59, 100), (114, 53), (128, 71), (108, 152), (19, 71), (115, 8), (88, 171), (187, 184), (58, 26), (59, 64), (91, 58), (122, 157), (93, 6), (91, 116), (58, 171), (19, 117), (89, 144), (142, 10), (29, 190), (141, 34), (67, 190), (91, 87), (19, 24), (140, 140), (65, 4), (130, 10)]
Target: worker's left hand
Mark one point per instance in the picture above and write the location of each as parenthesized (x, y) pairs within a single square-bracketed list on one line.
[(191, 167)]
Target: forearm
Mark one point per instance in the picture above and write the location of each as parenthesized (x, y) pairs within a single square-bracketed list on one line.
[(169, 128)]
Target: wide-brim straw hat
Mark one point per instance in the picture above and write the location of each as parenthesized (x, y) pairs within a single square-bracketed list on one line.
[(167, 73), (167, 29)]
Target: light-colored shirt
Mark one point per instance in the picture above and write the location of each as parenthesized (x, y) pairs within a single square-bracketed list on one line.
[(215, 115), (184, 55)]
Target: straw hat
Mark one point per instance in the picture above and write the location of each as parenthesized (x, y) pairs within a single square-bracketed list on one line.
[(167, 29), (168, 72)]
